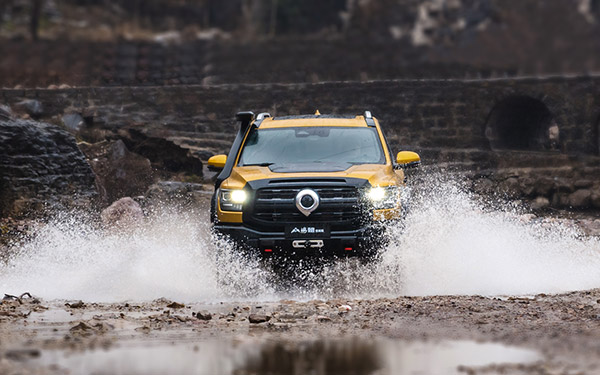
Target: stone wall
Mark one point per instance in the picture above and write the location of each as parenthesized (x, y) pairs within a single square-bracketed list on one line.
[(453, 123), (41, 169), (427, 114)]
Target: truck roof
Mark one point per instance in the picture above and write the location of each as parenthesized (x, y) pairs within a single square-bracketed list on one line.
[(312, 120)]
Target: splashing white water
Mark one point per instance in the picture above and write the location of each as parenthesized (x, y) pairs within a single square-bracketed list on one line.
[(170, 255), (453, 245), (450, 244)]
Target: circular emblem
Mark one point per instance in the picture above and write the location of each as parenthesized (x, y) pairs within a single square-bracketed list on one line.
[(307, 201)]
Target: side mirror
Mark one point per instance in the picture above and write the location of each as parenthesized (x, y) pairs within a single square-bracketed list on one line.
[(217, 163), (408, 159)]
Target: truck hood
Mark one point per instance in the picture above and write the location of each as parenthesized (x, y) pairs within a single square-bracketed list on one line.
[(376, 174)]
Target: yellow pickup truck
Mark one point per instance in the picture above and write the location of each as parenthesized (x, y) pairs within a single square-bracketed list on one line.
[(310, 184)]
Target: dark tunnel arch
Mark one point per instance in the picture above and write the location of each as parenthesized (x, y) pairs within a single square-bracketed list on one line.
[(521, 123)]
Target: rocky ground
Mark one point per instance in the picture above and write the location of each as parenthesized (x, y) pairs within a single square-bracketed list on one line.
[(563, 329)]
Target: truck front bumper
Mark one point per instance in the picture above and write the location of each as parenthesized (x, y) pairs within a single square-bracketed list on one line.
[(360, 242)]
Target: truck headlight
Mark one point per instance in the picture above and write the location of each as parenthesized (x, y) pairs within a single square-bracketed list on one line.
[(376, 194), (383, 197), (232, 200)]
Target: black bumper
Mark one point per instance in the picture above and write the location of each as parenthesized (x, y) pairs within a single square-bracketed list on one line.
[(361, 242)]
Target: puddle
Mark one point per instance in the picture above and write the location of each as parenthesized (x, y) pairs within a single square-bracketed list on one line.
[(350, 356)]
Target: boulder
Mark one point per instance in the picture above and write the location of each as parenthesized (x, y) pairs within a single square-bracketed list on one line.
[(33, 108), (123, 213), (540, 202), (5, 112), (119, 172), (41, 169), (203, 315), (580, 198), (163, 153), (258, 318), (73, 122)]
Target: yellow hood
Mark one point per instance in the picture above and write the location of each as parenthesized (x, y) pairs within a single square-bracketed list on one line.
[(377, 174)]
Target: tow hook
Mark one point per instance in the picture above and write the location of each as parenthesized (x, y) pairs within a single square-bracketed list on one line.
[(307, 244)]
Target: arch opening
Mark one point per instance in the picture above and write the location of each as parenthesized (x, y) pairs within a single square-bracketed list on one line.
[(522, 123)]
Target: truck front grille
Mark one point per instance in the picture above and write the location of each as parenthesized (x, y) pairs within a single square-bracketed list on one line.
[(338, 205)]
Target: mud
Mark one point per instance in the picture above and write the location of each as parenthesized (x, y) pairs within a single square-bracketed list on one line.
[(550, 334)]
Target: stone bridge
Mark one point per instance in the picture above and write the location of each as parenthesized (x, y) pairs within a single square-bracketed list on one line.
[(537, 138)]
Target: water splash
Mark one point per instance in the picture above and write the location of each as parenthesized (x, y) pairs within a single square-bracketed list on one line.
[(171, 255), (450, 243), (455, 243)]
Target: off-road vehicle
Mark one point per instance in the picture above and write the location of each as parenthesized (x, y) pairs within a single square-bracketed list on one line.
[(308, 184)]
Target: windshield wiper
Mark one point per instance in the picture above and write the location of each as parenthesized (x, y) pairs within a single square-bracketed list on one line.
[(257, 165)]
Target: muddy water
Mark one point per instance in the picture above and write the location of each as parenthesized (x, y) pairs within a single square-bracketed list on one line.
[(451, 243), (348, 356)]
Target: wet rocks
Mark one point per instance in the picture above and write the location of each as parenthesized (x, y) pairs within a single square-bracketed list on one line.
[(11, 229), (203, 315), (33, 108), (73, 122), (258, 318), (574, 187), (76, 305), (163, 153), (119, 172), (540, 202), (41, 169), (80, 327), (123, 213), (580, 198), (176, 305), (5, 112), (87, 329)]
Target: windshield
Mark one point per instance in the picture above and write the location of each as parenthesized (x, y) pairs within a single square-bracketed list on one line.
[(342, 146)]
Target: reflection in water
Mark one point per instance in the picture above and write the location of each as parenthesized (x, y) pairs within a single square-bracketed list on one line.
[(350, 356)]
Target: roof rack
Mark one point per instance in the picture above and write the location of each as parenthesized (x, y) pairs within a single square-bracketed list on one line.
[(263, 115), (259, 119), (369, 118)]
